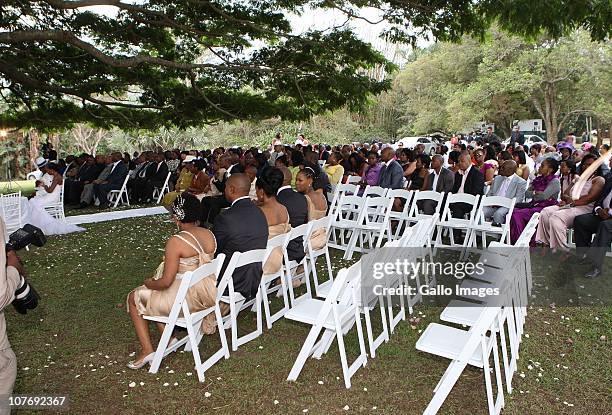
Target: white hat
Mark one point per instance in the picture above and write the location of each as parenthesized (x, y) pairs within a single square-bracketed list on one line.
[(41, 162), (189, 159)]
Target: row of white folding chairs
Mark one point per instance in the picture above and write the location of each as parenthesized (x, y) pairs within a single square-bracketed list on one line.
[(342, 307), (121, 196), (504, 270)]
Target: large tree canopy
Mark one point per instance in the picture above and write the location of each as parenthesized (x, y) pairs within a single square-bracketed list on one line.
[(181, 63)]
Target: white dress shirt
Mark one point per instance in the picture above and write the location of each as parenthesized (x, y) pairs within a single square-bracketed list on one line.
[(283, 188), (435, 181), (504, 187), (464, 175), (606, 203), (240, 198), (115, 165)]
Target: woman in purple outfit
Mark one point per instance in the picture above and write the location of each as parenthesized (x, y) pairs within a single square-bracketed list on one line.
[(543, 191)]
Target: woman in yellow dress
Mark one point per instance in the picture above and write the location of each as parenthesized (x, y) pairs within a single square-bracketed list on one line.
[(334, 169), (192, 247), (183, 182)]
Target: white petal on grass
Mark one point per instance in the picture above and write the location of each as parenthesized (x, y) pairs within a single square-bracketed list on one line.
[(132, 384), (207, 394)]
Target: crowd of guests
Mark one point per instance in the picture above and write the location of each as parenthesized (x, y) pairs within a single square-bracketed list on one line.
[(234, 200)]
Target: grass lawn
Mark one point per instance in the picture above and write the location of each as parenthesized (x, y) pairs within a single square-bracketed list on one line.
[(79, 339), (26, 187)]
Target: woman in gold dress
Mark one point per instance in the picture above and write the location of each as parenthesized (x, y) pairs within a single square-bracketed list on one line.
[(267, 185), (183, 182), (317, 204), (186, 251)]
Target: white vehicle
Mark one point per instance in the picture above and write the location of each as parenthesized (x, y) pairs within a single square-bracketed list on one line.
[(411, 143), (530, 139)]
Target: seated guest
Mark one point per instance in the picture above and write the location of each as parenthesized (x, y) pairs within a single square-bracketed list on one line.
[(371, 172), (567, 176), (200, 185), (391, 173), (87, 194), (357, 164), (145, 168), (407, 160), (486, 168), (114, 180), (296, 162), (186, 251), (211, 206), (441, 180), (242, 227), (420, 175), (555, 220), (156, 179), (317, 204), (543, 192), (276, 214), (522, 169), (334, 168), (467, 180), (506, 184), (182, 183), (321, 181), (599, 223), (453, 161), (87, 173), (297, 206)]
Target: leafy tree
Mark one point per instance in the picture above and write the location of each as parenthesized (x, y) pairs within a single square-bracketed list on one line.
[(163, 63)]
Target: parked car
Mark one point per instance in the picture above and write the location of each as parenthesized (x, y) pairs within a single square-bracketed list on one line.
[(411, 143), (530, 139)]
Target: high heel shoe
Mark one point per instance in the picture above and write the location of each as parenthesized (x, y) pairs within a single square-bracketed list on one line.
[(137, 365)]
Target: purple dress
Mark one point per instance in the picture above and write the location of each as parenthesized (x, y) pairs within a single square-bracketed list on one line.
[(520, 216)]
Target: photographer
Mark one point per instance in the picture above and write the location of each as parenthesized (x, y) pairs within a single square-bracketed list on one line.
[(10, 268)]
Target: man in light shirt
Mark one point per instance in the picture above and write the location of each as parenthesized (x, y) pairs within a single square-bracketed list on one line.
[(441, 180), (506, 184)]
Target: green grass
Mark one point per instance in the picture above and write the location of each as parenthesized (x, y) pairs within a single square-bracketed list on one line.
[(79, 339), (26, 187)]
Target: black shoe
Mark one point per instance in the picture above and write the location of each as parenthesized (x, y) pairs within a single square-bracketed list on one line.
[(104, 206), (595, 272), (82, 205)]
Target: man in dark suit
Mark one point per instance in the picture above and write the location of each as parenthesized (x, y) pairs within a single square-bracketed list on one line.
[(391, 173), (516, 137), (468, 179), (143, 172), (242, 227), (87, 173), (211, 206), (297, 207), (114, 181), (158, 178), (598, 222), (441, 180), (490, 137)]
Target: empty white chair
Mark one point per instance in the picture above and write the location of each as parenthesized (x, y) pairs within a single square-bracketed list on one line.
[(180, 316), (56, 209), (10, 208), (318, 226), (334, 317), (399, 219), (374, 191), (345, 217), (414, 214), (353, 179), (448, 222), (237, 301), (339, 191), (118, 196), (372, 224), (267, 280), (486, 228), (159, 192), (462, 347)]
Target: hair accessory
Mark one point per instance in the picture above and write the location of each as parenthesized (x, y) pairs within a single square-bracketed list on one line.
[(177, 207)]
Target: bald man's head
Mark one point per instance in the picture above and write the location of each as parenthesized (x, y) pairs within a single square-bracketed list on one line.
[(238, 185), (507, 168), (286, 175), (387, 154)]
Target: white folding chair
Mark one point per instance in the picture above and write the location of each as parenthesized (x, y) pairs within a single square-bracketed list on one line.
[(340, 190), (462, 347), (267, 280), (10, 205), (372, 224), (334, 316), (344, 219), (449, 223), (180, 316), (291, 266), (56, 209), (353, 179), (159, 192), (523, 241), (321, 163), (486, 228), (374, 191), (117, 196), (414, 214), (237, 301), (399, 219), (321, 289)]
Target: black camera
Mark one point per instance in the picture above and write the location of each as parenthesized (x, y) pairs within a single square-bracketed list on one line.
[(26, 297)]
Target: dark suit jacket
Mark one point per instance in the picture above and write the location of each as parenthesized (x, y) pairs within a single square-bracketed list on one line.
[(297, 206), (474, 183), (91, 172), (117, 176), (446, 181), (241, 228), (159, 175), (606, 191), (391, 177)]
